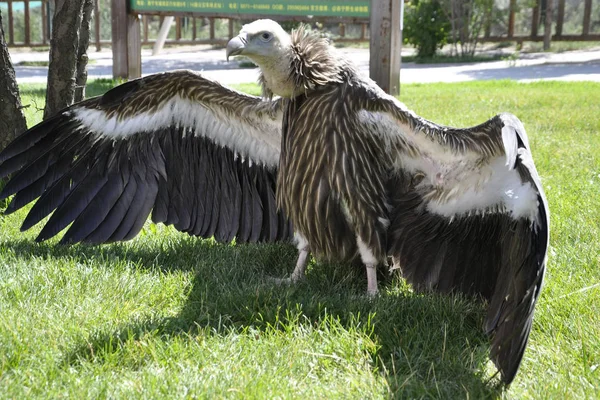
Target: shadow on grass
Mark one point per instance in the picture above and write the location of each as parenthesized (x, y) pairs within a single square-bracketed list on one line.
[(427, 345)]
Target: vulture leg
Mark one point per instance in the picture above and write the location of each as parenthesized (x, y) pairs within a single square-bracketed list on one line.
[(300, 269), (372, 279), (396, 264), (299, 272), (370, 261)]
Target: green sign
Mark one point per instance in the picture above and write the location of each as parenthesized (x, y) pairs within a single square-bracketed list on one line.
[(329, 8)]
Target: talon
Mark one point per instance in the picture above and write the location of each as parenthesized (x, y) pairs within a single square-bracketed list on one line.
[(297, 278), (281, 281), (294, 279)]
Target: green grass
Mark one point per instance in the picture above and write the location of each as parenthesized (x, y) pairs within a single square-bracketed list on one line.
[(559, 47), (447, 59), (170, 316), (40, 63), (33, 63)]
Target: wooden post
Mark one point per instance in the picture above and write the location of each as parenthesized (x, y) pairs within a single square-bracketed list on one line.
[(119, 38), (44, 24), (27, 24), (487, 31), (211, 28), (178, 28), (11, 28), (134, 47), (50, 6), (231, 35), (386, 44), (194, 31), (535, 18), (548, 25), (511, 18), (97, 25), (560, 18), (587, 13), (145, 21)]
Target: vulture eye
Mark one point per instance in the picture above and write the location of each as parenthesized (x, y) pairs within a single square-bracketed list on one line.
[(265, 36)]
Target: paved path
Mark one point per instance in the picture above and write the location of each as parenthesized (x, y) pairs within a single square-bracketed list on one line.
[(574, 66)]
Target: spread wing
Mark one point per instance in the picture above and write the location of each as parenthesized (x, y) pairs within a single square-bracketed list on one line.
[(194, 153), (468, 214)]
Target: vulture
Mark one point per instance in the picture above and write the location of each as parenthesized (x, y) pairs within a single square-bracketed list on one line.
[(323, 157)]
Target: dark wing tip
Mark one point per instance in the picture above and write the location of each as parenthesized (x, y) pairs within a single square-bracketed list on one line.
[(63, 163)]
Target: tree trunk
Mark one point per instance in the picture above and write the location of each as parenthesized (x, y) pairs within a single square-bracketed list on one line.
[(66, 26), (82, 57), (12, 120)]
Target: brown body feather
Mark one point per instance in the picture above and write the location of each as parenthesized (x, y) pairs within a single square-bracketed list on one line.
[(332, 180), (334, 177)]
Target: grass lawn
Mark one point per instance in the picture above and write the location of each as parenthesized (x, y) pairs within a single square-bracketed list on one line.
[(170, 316)]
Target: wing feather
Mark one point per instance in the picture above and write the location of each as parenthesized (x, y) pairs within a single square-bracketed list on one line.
[(245, 226), (97, 209), (35, 134), (468, 214), (194, 153), (216, 193), (109, 223), (257, 207)]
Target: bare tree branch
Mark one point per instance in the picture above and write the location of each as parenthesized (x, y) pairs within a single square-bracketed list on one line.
[(467, 19)]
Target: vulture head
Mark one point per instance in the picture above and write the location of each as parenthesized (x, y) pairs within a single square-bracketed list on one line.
[(290, 64)]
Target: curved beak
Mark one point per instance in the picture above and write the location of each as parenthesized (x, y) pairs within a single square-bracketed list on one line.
[(236, 45)]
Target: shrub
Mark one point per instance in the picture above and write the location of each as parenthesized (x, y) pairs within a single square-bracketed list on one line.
[(467, 18), (425, 26)]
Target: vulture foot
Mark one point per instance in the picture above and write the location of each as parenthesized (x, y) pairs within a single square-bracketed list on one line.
[(292, 280), (372, 290), (299, 273)]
